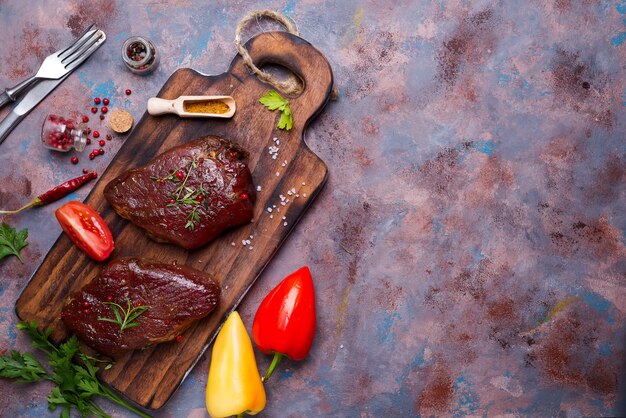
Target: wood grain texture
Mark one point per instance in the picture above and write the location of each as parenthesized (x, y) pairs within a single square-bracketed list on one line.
[(149, 377)]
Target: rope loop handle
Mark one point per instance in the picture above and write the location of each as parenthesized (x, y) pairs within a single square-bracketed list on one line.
[(289, 86)]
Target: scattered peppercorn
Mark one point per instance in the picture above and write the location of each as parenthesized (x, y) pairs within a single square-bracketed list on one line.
[(94, 110), (88, 141), (85, 118), (101, 117), (101, 151), (96, 100), (105, 101), (109, 137), (128, 92), (85, 171), (104, 109), (179, 339), (101, 142), (74, 160), (96, 134)]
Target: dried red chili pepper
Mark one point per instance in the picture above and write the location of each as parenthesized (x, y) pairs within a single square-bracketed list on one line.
[(57, 193)]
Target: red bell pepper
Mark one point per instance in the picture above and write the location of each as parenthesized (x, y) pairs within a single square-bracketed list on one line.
[(285, 322)]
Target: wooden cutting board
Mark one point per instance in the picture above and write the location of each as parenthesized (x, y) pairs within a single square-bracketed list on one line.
[(149, 377)]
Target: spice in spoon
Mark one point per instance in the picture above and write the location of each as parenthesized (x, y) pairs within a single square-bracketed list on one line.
[(208, 106)]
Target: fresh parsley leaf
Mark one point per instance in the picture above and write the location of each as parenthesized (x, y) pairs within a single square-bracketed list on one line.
[(12, 242), (22, 367), (76, 383), (285, 121), (272, 100)]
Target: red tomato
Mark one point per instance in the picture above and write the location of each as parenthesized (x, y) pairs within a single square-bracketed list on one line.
[(86, 228)]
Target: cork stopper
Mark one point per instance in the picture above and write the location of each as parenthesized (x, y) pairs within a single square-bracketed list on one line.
[(121, 121)]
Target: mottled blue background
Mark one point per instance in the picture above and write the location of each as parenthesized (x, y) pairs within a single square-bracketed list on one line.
[(469, 248)]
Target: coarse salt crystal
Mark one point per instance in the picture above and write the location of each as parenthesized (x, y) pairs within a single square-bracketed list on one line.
[(277, 174), (251, 236), (284, 217), (303, 183), (285, 224), (271, 216), (258, 188), (250, 247), (274, 157), (297, 195), (303, 194), (341, 346), (283, 203), (243, 242), (233, 243), (269, 209), (289, 193)]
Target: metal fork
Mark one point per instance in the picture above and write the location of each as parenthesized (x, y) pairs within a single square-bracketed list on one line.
[(57, 64)]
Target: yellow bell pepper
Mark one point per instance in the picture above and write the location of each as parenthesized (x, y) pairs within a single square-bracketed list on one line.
[(234, 386)]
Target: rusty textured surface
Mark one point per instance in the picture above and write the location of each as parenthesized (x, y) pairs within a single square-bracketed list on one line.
[(469, 249)]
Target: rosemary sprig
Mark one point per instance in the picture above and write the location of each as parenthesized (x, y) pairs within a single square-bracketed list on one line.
[(125, 317), (184, 194), (192, 218)]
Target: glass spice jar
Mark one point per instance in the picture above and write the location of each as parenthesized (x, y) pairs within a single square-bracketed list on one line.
[(62, 134), (140, 55)]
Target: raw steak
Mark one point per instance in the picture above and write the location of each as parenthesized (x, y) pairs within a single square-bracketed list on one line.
[(189, 194), (175, 296)]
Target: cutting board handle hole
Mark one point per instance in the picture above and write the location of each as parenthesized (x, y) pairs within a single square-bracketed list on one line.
[(284, 74)]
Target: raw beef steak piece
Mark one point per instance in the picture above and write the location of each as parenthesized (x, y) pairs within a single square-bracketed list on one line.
[(189, 194), (175, 296)]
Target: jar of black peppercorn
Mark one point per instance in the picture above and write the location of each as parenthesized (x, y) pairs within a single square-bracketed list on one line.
[(140, 55)]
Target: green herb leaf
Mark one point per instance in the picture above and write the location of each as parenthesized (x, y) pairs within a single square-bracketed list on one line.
[(76, 384), (123, 316), (22, 367), (12, 242), (272, 100), (285, 121)]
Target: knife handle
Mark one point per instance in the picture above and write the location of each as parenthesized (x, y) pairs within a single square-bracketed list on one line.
[(11, 94), (8, 124), (5, 98)]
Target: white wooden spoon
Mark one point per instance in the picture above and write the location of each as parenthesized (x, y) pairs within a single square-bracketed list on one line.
[(194, 106)]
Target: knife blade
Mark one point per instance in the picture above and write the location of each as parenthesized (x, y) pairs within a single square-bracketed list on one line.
[(31, 99)]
